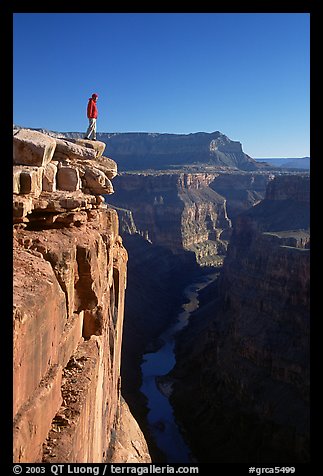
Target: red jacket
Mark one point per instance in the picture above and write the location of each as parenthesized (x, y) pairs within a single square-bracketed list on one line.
[(92, 110)]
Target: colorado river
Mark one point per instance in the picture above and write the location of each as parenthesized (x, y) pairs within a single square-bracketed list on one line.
[(160, 417)]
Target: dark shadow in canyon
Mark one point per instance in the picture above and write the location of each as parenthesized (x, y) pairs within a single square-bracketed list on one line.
[(154, 295)]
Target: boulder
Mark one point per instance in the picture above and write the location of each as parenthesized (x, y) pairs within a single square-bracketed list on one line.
[(27, 180), (97, 182), (22, 205), (65, 149), (68, 178), (16, 179), (49, 177), (108, 166), (32, 148), (97, 145), (31, 180)]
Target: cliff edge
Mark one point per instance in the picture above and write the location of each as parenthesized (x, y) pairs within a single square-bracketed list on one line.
[(69, 281)]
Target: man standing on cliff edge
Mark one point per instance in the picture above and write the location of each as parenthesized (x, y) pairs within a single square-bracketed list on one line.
[(92, 114)]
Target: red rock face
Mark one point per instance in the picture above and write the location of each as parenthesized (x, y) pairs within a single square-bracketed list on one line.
[(69, 285)]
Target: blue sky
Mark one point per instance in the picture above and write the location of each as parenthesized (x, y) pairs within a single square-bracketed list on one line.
[(244, 74)]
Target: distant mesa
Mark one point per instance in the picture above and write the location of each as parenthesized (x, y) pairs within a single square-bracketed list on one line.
[(143, 150), (135, 151)]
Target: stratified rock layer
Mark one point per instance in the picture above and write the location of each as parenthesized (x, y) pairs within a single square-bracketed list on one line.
[(178, 211), (69, 282), (47, 164)]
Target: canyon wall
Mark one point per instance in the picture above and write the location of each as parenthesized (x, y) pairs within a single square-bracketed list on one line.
[(178, 211), (241, 190), (69, 279), (244, 358)]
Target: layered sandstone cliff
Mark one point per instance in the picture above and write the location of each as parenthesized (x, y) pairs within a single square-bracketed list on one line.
[(178, 211), (69, 285), (244, 359)]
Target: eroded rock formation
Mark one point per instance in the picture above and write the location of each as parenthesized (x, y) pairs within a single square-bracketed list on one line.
[(69, 281), (244, 359), (178, 211)]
